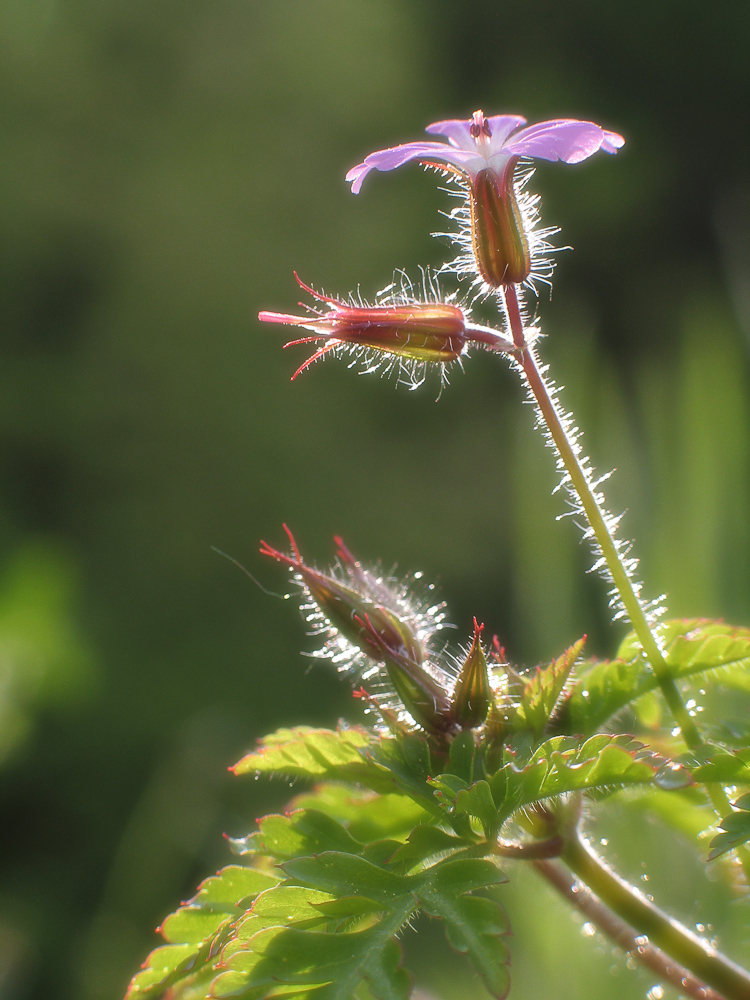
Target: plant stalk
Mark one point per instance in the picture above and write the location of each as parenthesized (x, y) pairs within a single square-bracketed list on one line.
[(596, 517), (584, 900), (648, 921)]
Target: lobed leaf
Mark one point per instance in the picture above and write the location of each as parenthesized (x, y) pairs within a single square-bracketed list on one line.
[(692, 646), (543, 691), (736, 827), (408, 762), (317, 753), (196, 930), (730, 767), (332, 963), (303, 831), (424, 842), (365, 814), (560, 765)]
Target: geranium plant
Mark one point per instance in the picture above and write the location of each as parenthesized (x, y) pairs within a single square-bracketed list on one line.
[(467, 763)]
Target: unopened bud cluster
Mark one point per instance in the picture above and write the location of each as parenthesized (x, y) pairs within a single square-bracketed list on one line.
[(384, 636), (372, 627)]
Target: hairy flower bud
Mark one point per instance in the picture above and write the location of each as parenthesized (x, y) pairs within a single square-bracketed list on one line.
[(472, 694), (375, 631), (399, 328), (499, 242)]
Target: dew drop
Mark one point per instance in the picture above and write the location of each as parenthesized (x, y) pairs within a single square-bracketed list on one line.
[(655, 993), (676, 731), (588, 929), (644, 878), (604, 841), (700, 928)]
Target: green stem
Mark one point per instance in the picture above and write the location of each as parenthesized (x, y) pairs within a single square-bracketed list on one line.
[(598, 521), (660, 930), (584, 900)]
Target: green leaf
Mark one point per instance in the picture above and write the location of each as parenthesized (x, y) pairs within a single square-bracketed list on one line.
[(725, 766), (196, 929), (560, 765), (331, 964), (365, 814), (603, 689), (409, 763), (696, 645), (424, 842), (474, 925), (685, 810), (316, 753), (692, 646), (477, 801), (543, 691), (736, 827), (303, 831)]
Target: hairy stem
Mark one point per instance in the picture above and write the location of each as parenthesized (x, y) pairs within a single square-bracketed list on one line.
[(648, 921), (597, 519), (623, 935)]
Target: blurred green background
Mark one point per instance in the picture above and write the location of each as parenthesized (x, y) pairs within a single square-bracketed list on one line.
[(165, 167)]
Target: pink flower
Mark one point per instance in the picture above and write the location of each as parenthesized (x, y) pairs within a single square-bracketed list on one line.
[(483, 152), (398, 329)]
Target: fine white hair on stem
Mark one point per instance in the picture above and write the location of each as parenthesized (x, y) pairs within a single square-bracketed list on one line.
[(652, 609)]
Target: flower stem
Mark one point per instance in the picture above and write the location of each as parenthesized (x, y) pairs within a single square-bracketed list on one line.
[(584, 900), (598, 521), (647, 920)]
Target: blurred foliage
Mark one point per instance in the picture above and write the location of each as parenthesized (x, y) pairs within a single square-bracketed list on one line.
[(44, 659), (165, 167)]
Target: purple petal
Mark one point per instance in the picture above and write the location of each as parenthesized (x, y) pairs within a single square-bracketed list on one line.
[(389, 159), (564, 139), (501, 127), (612, 141), (455, 129)]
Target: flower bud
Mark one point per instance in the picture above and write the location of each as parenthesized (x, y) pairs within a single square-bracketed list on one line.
[(499, 240), (367, 623), (402, 329), (472, 695)]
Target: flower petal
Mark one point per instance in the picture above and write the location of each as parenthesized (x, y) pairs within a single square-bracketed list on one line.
[(389, 159), (612, 141), (456, 130), (563, 139), (501, 127)]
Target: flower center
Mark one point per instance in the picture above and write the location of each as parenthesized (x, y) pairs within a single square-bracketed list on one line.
[(481, 133)]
